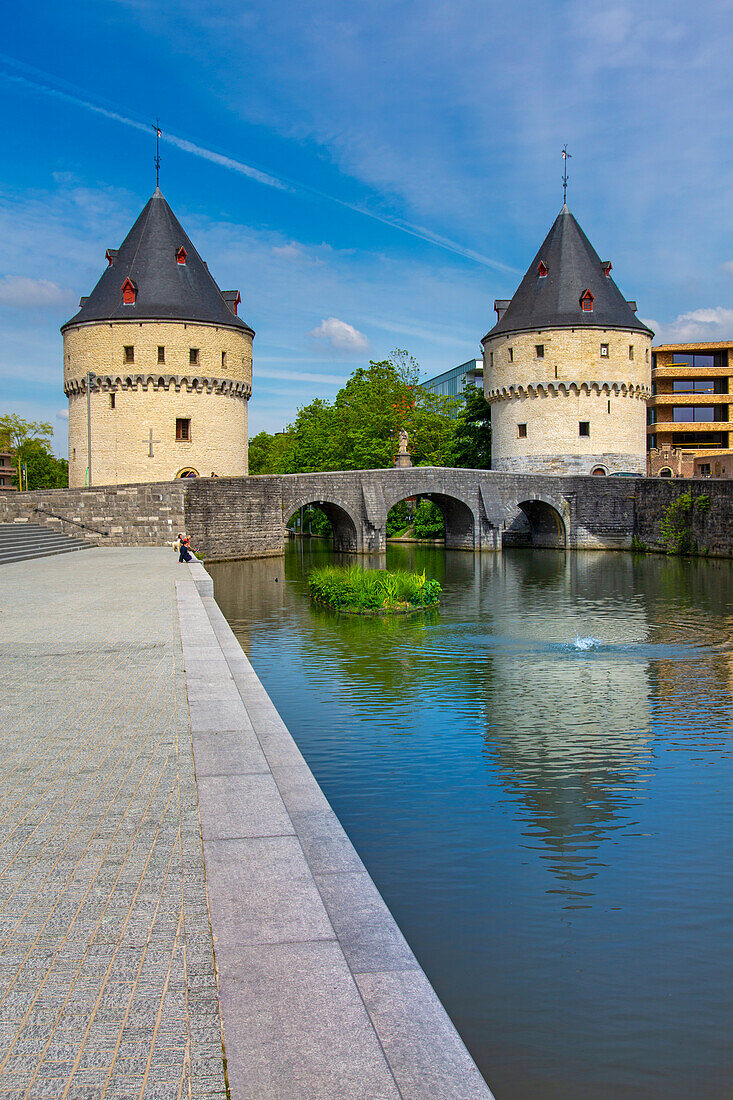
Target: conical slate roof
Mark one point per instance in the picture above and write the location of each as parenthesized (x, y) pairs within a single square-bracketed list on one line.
[(165, 290), (553, 300)]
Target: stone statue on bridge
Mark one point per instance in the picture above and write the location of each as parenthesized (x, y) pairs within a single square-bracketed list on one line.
[(403, 460)]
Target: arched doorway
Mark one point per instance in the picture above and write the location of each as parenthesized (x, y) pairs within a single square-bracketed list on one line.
[(187, 471), (665, 472), (599, 471), (546, 525), (343, 527)]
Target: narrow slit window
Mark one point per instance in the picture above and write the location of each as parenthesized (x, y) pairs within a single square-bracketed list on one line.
[(129, 353), (522, 431), (609, 406), (193, 356), (161, 353), (223, 359), (604, 351), (539, 350), (511, 355), (183, 430), (631, 352), (111, 401)]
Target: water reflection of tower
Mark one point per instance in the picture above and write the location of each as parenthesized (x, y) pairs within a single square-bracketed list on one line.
[(569, 729)]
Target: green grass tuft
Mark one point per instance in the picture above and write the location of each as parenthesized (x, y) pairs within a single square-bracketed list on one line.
[(365, 591)]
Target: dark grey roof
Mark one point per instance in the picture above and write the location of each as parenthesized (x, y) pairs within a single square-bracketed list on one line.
[(553, 301), (166, 290)]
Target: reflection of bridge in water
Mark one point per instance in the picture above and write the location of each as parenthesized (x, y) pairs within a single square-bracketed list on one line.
[(483, 510)]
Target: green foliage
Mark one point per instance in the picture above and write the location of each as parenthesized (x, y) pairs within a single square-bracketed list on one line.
[(638, 546), (398, 519), (428, 522), (362, 591), (471, 445), (315, 522), (358, 430), (675, 524), (268, 453), (30, 442)]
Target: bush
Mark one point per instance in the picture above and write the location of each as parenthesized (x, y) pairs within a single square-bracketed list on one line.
[(675, 524), (369, 590), (428, 522), (399, 519)]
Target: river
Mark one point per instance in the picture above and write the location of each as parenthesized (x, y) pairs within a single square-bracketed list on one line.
[(538, 777)]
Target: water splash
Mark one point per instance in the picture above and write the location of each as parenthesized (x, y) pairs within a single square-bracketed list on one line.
[(587, 643)]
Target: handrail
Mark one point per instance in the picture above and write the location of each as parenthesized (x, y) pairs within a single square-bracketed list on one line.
[(76, 522)]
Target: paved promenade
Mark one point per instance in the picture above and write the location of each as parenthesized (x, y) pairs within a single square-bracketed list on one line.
[(173, 883)]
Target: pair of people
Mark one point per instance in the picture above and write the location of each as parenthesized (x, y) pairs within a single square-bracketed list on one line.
[(184, 548)]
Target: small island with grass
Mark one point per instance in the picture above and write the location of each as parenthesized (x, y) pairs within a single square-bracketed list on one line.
[(372, 591)]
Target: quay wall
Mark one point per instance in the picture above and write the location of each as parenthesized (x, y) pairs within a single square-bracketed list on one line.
[(245, 517)]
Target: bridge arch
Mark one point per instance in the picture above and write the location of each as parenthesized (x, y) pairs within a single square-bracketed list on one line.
[(546, 522), (460, 517), (346, 528)]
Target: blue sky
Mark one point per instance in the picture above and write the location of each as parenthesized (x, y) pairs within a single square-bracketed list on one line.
[(369, 175)]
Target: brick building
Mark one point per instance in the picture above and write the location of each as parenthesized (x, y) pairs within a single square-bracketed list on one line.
[(7, 470), (689, 429)]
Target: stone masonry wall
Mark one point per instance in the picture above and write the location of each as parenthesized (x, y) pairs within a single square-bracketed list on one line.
[(711, 530), (126, 515)]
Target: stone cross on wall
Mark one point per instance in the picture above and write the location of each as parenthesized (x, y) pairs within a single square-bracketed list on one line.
[(150, 441)]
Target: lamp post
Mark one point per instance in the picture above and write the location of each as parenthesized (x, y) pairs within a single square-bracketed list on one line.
[(90, 377)]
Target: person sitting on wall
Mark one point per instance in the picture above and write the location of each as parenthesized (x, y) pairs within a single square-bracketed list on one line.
[(184, 544)]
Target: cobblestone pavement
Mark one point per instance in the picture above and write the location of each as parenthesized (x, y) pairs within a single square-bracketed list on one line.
[(107, 983)]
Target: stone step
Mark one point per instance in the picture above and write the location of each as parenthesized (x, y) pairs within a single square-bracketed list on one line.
[(8, 556)]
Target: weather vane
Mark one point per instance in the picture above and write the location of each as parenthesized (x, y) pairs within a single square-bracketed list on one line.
[(156, 158), (565, 156)]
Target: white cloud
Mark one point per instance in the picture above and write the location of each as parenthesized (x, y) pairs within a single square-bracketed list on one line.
[(62, 414), (297, 376), (340, 336), (25, 293), (291, 251), (713, 323)]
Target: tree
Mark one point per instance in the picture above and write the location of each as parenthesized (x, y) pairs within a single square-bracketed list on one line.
[(471, 445), (268, 454), (27, 440), (43, 469)]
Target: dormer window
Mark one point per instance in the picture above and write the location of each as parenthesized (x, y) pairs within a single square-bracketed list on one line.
[(232, 299), (542, 269), (181, 255), (129, 292), (110, 256), (606, 268), (586, 301)]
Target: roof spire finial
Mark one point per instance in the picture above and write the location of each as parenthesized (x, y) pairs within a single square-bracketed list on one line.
[(565, 156), (156, 158)]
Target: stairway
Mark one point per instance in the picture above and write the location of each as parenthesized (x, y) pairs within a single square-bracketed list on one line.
[(20, 541)]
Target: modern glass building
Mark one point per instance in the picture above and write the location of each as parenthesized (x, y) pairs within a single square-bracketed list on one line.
[(451, 382)]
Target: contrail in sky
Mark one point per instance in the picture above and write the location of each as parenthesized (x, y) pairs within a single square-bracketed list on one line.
[(39, 81)]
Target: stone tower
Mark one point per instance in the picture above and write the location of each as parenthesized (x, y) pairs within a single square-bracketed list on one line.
[(567, 366), (171, 364)]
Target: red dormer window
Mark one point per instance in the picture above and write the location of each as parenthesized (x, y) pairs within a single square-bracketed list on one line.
[(542, 269), (129, 292), (586, 301), (181, 255), (607, 267), (110, 256)]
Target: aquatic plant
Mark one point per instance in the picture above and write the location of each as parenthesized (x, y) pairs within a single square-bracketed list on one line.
[(364, 591)]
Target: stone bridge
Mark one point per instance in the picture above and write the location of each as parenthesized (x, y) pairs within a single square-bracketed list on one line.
[(483, 510), (246, 517)]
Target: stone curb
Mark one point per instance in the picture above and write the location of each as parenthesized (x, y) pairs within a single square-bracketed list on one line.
[(320, 993)]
